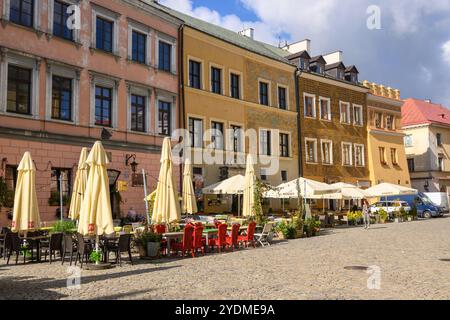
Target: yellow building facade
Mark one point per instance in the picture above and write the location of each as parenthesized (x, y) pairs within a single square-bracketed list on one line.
[(387, 158)]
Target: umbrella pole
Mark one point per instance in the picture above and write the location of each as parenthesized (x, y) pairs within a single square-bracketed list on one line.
[(61, 197), (239, 205), (146, 200), (97, 239)]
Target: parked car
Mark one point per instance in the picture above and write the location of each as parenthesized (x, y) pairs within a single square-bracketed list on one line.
[(390, 207), (440, 199), (425, 207)]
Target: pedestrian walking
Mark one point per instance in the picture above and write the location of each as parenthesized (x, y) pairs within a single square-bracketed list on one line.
[(366, 214)]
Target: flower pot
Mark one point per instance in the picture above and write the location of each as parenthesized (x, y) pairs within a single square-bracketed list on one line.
[(153, 249), (410, 219), (281, 236), (142, 251)]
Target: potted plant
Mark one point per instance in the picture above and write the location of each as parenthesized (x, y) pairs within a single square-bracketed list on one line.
[(66, 226), (351, 217), (148, 243), (398, 217), (413, 213), (383, 215)]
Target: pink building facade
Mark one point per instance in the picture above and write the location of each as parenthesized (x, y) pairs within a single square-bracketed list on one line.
[(114, 79)]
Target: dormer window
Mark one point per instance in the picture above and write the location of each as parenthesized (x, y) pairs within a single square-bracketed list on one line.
[(304, 65)]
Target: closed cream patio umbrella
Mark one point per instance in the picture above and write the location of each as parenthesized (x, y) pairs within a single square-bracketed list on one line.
[(95, 213), (26, 211), (249, 189), (166, 208), (79, 186), (189, 201)]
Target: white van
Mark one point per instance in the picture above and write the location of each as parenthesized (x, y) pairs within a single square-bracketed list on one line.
[(390, 207), (440, 199)]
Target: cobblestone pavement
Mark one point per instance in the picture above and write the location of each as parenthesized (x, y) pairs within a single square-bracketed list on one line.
[(411, 257)]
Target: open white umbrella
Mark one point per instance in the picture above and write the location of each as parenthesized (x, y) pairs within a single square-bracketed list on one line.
[(167, 206), (388, 189), (345, 191), (233, 185), (189, 200), (301, 187), (79, 186)]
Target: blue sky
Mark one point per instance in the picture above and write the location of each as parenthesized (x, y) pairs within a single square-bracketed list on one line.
[(411, 50)]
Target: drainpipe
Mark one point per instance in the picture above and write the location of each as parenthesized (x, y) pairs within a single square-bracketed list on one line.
[(299, 131), (181, 100)]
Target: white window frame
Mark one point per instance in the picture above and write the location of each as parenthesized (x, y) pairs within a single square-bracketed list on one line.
[(316, 160), (22, 61), (313, 96), (269, 91), (362, 155), (103, 81), (36, 14), (51, 7), (350, 145), (170, 98), (112, 16), (140, 90), (361, 115), (143, 29), (54, 69), (328, 108), (173, 42), (241, 82), (262, 147), (344, 121), (411, 144), (222, 77), (288, 107), (322, 142)]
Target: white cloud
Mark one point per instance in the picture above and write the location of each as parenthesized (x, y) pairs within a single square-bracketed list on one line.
[(446, 52)]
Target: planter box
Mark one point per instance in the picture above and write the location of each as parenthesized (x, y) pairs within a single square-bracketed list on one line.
[(153, 249)]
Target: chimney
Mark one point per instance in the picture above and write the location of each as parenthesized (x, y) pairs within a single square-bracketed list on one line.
[(296, 47), (249, 33), (427, 100), (334, 57)]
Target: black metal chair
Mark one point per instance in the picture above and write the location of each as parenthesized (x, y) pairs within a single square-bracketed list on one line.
[(122, 246), (52, 246), (15, 246), (68, 248), (5, 244), (83, 250)]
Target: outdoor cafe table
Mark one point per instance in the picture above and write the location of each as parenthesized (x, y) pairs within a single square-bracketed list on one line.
[(171, 236), (209, 233), (37, 240)]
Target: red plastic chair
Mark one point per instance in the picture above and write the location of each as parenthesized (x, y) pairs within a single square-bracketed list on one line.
[(250, 236), (198, 242), (186, 245), (232, 241), (221, 241)]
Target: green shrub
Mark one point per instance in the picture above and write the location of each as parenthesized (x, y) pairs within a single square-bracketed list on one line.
[(64, 226), (95, 256), (383, 215), (289, 231)]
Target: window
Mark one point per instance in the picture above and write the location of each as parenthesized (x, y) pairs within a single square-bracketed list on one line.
[(61, 98), (103, 106), (310, 106), (411, 166), (55, 186), (165, 56), (359, 155), (19, 90), (284, 176), (266, 142), (311, 150), (325, 109), (217, 135), (22, 12), (304, 64), (104, 34), (382, 151), (216, 80), (378, 120), (347, 154), (264, 93), (390, 122), (196, 132), (327, 152), (195, 74), (139, 47), (394, 156), (263, 174), (164, 118), (439, 139), (345, 112), (357, 115), (408, 140), (235, 86), (282, 102), (284, 145), (11, 177), (237, 138), (138, 113), (441, 163), (60, 18)]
